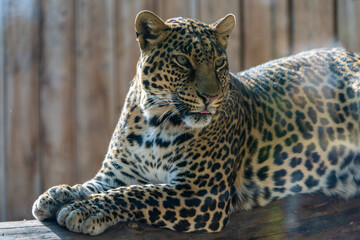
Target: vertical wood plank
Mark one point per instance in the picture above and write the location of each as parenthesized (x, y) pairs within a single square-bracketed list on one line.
[(94, 84), (127, 50), (313, 24), (3, 209), (280, 25), (348, 24), (57, 93), (174, 8), (211, 11), (22, 133), (257, 32), (265, 32)]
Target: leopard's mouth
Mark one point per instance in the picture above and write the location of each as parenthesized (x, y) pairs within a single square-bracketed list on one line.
[(205, 111), (195, 119)]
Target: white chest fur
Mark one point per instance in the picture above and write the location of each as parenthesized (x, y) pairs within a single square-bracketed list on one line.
[(156, 153)]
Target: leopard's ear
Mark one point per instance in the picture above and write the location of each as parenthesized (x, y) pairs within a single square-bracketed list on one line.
[(150, 29), (224, 27)]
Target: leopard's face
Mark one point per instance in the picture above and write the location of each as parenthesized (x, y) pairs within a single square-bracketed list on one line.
[(185, 74)]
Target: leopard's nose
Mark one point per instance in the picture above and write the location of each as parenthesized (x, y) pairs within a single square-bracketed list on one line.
[(207, 98)]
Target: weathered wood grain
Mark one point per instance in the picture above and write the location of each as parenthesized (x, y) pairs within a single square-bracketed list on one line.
[(299, 217), (211, 11), (94, 84), (348, 22), (3, 199), (313, 24), (22, 105), (58, 94)]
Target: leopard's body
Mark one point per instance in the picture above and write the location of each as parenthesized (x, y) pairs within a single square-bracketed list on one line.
[(195, 142)]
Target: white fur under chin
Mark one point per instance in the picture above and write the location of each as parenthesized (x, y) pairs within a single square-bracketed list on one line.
[(195, 121)]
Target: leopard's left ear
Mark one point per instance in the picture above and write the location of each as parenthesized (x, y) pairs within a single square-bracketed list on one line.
[(224, 27)]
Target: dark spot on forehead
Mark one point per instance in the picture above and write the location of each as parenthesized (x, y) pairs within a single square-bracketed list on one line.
[(199, 40)]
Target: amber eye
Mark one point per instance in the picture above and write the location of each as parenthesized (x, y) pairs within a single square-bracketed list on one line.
[(183, 61), (220, 62)]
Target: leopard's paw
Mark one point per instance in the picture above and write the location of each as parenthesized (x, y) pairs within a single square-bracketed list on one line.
[(51, 201), (85, 217)]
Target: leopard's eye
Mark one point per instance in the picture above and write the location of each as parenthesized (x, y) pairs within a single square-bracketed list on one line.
[(220, 62), (182, 61)]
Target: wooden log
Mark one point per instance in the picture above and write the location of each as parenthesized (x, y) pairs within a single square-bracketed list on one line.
[(3, 208), (211, 11), (22, 110), (313, 24), (298, 217), (58, 94), (348, 22), (94, 84)]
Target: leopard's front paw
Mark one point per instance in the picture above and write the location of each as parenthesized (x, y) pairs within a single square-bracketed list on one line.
[(89, 216), (51, 201)]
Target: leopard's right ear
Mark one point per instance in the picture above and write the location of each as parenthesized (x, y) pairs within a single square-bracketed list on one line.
[(150, 29)]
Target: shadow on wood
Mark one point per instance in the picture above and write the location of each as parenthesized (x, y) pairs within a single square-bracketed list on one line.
[(298, 217)]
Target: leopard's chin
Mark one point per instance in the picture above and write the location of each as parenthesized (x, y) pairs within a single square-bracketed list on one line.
[(197, 120)]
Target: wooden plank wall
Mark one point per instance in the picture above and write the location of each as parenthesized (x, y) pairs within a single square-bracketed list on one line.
[(22, 133), (2, 118), (65, 67), (57, 93)]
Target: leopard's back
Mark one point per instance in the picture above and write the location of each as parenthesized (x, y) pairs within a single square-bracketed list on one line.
[(304, 122)]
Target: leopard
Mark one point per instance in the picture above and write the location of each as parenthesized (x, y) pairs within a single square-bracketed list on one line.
[(195, 142)]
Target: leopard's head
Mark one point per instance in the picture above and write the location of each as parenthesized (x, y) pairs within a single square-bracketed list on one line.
[(183, 69)]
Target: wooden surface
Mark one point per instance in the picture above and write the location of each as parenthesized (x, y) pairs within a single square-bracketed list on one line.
[(65, 68), (300, 217)]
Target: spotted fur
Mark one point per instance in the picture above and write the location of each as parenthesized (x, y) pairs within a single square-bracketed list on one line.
[(195, 142)]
